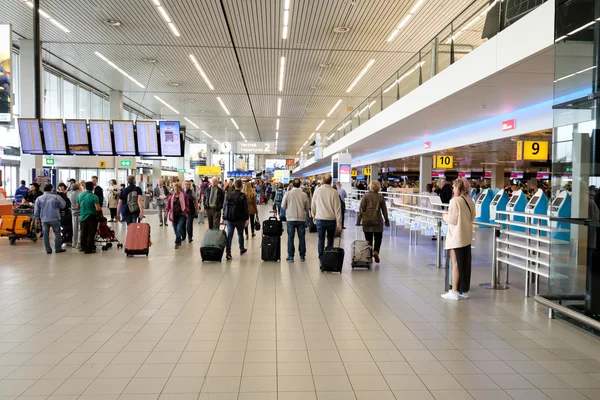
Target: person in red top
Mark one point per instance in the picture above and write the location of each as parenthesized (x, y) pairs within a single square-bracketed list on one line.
[(178, 208)]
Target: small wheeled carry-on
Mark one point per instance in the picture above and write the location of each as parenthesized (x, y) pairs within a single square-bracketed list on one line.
[(201, 217), (213, 245), (333, 259), (362, 253), (138, 239), (271, 248), (272, 227)]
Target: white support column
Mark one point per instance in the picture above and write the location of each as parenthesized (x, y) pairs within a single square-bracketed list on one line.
[(116, 113), (26, 101), (156, 171), (497, 177), (374, 173), (425, 167)]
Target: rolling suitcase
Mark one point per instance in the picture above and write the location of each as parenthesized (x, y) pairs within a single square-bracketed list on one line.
[(138, 239), (271, 248), (362, 252), (272, 227), (213, 245), (201, 217), (333, 259)]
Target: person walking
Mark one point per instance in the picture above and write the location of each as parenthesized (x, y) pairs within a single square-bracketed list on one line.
[(327, 213), (161, 193), (279, 198), (193, 211), (76, 189), (214, 198), (229, 188), (372, 214), (131, 197), (252, 206), (47, 210), (235, 212), (460, 217), (178, 209), (113, 199), (98, 190), (296, 206), (343, 195), (89, 207)]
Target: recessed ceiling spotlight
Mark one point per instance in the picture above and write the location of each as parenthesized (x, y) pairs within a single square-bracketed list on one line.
[(324, 65), (341, 29), (112, 22), (150, 60), (174, 84)]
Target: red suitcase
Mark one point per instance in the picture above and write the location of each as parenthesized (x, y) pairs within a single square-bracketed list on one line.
[(138, 239)]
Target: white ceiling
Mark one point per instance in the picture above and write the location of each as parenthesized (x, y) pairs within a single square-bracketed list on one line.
[(309, 91)]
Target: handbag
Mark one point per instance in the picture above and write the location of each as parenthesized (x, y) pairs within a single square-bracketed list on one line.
[(256, 223)]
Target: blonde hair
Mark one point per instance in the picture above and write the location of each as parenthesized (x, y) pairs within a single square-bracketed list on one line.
[(375, 187), (248, 191), (177, 186), (460, 185)]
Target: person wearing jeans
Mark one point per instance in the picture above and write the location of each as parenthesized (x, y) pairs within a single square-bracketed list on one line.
[(327, 212), (89, 207), (232, 226), (160, 196), (373, 214), (236, 214), (295, 203), (178, 208), (193, 207), (47, 210)]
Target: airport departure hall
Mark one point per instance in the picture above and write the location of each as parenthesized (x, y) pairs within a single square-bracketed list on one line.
[(299, 199)]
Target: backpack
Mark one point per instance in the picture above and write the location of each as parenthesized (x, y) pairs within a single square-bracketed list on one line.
[(132, 202), (233, 210)]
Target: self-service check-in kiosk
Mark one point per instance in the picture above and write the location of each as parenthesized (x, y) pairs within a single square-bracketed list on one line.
[(561, 208), (499, 203), (517, 203), (538, 204), (482, 206)]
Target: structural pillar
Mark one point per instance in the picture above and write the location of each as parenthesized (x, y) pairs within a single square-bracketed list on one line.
[(374, 173), (580, 194), (497, 177), (116, 113), (156, 171), (425, 168), (29, 94)]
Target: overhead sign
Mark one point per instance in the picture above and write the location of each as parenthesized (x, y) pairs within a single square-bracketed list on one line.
[(208, 170), (532, 150), (509, 125), (367, 171), (126, 163), (427, 145), (181, 170), (444, 162), (5, 73), (345, 170), (354, 173), (49, 161), (256, 147), (102, 164)]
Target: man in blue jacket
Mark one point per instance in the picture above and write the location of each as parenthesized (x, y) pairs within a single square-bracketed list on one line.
[(47, 209), (21, 192)]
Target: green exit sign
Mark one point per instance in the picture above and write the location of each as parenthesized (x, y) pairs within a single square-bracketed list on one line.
[(125, 163), (49, 161), (181, 170)]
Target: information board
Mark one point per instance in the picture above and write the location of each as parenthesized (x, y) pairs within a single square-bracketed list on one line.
[(170, 139), (533, 150), (77, 136), (147, 138), (251, 147), (444, 162), (124, 139), (54, 136), (101, 138), (31, 139)]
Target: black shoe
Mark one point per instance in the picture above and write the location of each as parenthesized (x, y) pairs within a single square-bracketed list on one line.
[(190, 241), (228, 256), (161, 225), (166, 224), (60, 251), (242, 251), (48, 252)]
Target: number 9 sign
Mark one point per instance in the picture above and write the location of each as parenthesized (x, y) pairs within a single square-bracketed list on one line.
[(533, 150)]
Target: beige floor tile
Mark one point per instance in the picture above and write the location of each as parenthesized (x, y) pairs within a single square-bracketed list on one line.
[(107, 386), (369, 383), (258, 384), (72, 387), (405, 383), (145, 385), (216, 384), (295, 384), (440, 382)]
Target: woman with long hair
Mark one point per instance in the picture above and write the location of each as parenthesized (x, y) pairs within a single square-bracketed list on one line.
[(178, 209), (250, 194), (460, 217), (373, 214)]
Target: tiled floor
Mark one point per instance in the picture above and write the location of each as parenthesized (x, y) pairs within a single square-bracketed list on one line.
[(107, 327)]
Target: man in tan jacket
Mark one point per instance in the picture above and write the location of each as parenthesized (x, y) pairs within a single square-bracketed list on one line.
[(327, 212), (296, 205)]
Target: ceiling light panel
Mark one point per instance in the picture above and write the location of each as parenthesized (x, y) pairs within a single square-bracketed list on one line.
[(193, 124), (286, 19), (405, 20), (47, 16), (207, 134), (201, 71), (223, 106), (279, 107), (334, 107), (165, 16), (320, 125), (277, 125), (242, 135), (281, 72), (234, 124), (360, 75), (115, 66), (166, 104)]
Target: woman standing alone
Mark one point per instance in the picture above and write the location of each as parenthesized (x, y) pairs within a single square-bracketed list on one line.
[(373, 212), (178, 209), (250, 194)]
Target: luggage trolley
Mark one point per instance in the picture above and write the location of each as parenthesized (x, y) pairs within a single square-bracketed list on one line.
[(19, 226)]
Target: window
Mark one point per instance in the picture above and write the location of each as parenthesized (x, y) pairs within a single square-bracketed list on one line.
[(126, 115), (83, 109), (69, 100), (51, 99), (106, 105), (96, 107)]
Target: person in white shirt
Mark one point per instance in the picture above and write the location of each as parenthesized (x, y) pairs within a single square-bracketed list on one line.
[(327, 213), (296, 205)]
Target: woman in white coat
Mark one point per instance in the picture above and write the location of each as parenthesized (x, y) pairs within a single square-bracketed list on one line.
[(460, 217)]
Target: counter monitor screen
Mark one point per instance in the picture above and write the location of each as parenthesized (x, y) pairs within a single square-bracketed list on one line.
[(31, 139), (147, 141), (170, 138), (513, 200), (124, 139), (101, 138), (557, 202), (77, 136), (497, 198), (54, 136), (534, 200)]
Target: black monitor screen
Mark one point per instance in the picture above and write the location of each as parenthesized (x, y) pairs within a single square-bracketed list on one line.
[(513, 200), (54, 136), (534, 200), (558, 201), (77, 136), (31, 138), (497, 198)]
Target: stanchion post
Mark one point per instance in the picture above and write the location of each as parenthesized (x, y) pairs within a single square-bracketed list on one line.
[(439, 243), (494, 285)]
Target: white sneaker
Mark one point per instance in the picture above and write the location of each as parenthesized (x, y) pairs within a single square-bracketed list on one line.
[(451, 296), (463, 296)]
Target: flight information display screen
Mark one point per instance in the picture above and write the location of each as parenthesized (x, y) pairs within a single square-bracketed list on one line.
[(54, 136), (77, 136), (170, 138), (124, 138), (147, 138), (31, 139), (101, 138)]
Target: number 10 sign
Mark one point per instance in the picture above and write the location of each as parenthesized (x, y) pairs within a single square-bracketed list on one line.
[(256, 147)]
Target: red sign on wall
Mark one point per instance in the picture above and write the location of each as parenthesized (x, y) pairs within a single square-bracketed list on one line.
[(509, 125), (487, 175), (427, 145)]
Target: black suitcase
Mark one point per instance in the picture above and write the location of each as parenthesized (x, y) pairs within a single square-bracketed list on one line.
[(312, 227), (213, 245), (272, 227), (271, 248), (333, 259)]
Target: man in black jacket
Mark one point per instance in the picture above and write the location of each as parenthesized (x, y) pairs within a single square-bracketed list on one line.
[(445, 192), (214, 198), (236, 214), (98, 190)]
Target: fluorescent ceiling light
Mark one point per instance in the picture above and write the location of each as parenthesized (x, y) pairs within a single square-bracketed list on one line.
[(207, 134), (219, 143), (275, 142), (281, 72), (581, 28), (467, 26), (276, 135), (234, 124), (242, 135), (115, 66), (156, 2), (166, 104), (334, 107), (164, 14), (277, 125), (223, 105), (279, 106), (360, 75), (286, 19), (311, 135), (44, 14), (59, 25), (320, 125), (404, 21), (576, 73), (173, 29), (305, 143), (193, 124), (201, 71)]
